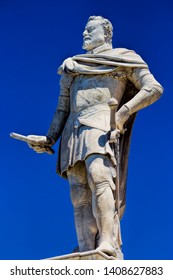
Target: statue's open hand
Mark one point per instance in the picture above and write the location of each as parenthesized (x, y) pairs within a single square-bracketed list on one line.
[(40, 144)]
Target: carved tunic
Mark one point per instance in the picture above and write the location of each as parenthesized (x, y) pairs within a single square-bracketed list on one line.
[(86, 129)]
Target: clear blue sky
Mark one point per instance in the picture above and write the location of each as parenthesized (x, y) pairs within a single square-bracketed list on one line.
[(36, 214)]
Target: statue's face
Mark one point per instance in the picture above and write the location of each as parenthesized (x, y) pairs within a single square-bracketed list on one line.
[(93, 35)]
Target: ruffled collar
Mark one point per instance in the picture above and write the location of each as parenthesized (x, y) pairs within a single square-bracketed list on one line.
[(103, 48)]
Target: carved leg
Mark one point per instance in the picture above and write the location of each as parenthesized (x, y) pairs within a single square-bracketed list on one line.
[(103, 203), (81, 197)]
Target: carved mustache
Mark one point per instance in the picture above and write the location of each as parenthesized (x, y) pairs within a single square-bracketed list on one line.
[(86, 37)]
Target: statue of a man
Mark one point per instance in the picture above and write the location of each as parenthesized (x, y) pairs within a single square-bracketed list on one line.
[(82, 119)]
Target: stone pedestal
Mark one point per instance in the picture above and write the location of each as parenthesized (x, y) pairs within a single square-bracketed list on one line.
[(89, 255)]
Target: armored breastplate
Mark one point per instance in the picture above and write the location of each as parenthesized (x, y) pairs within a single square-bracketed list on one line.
[(90, 90)]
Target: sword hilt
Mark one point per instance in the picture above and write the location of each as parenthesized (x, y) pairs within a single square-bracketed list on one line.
[(113, 105)]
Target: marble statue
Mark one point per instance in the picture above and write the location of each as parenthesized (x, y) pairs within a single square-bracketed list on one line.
[(100, 93)]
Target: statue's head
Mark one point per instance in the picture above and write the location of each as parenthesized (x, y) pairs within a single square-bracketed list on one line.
[(98, 31)]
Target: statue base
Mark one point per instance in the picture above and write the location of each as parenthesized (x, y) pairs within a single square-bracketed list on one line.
[(89, 255)]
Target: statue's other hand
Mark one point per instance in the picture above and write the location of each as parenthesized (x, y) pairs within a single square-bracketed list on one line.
[(120, 127), (40, 144), (121, 117), (114, 135)]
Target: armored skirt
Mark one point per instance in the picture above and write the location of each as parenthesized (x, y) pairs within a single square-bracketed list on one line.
[(79, 141)]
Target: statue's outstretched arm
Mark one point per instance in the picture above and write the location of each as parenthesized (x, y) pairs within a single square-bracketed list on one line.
[(63, 109), (42, 144)]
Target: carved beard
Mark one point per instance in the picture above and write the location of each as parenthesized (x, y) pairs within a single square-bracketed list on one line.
[(86, 43), (93, 42)]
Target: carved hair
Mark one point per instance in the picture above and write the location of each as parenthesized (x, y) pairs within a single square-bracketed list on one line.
[(107, 26)]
